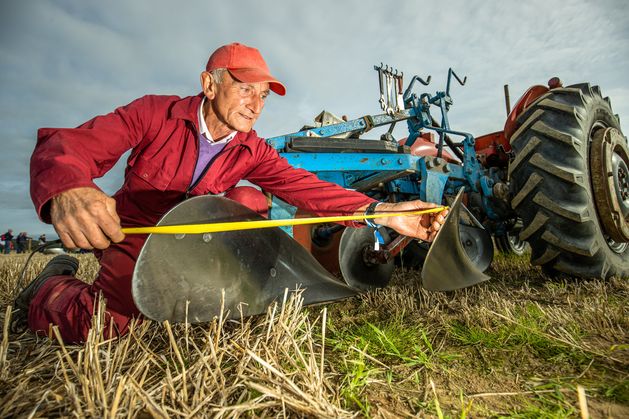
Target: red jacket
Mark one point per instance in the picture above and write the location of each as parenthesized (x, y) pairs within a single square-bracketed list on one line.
[(162, 133)]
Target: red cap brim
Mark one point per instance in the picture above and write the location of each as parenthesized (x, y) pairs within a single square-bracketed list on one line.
[(255, 75)]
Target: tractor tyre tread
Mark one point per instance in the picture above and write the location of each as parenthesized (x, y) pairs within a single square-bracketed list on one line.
[(551, 183)]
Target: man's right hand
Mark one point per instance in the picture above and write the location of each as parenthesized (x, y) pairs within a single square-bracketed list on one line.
[(85, 218)]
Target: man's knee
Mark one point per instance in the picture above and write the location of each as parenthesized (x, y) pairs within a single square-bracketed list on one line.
[(69, 304), (250, 197)]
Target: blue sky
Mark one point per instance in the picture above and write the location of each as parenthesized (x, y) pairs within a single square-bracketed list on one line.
[(63, 62)]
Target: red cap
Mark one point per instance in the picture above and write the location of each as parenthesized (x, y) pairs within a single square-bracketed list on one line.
[(245, 64)]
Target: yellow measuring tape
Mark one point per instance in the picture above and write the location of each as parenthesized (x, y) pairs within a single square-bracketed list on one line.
[(250, 225)]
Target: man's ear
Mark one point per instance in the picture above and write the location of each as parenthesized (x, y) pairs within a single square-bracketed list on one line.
[(208, 85)]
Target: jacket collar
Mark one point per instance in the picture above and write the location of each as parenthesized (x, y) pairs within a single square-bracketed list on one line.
[(187, 108)]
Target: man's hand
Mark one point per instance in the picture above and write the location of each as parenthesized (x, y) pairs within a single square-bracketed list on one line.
[(85, 218), (423, 227)]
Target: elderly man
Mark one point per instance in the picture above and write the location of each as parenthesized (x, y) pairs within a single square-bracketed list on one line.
[(180, 147)]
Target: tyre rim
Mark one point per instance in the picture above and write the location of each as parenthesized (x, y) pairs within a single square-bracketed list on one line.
[(621, 182), (516, 244), (616, 247), (609, 170), (621, 188)]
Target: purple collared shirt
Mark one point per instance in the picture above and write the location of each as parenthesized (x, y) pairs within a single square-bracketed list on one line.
[(207, 151), (208, 148)]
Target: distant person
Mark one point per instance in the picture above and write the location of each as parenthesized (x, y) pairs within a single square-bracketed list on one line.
[(7, 237), (21, 242), (42, 240)]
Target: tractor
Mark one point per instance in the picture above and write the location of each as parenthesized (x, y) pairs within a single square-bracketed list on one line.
[(556, 177)]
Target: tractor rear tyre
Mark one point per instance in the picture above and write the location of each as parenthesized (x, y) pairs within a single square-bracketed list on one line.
[(574, 203)]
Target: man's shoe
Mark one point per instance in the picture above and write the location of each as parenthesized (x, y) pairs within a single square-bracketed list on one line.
[(59, 265)]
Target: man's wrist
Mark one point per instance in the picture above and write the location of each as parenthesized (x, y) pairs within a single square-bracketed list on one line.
[(371, 209)]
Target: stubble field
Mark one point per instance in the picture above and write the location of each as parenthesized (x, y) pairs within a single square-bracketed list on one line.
[(521, 345)]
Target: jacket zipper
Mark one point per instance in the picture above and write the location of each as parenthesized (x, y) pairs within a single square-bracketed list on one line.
[(207, 166), (197, 151), (202, 175)]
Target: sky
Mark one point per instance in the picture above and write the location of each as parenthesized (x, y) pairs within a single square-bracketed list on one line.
[(64, 62)]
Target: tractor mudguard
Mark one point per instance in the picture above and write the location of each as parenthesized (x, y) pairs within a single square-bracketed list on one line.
[(526, 100)]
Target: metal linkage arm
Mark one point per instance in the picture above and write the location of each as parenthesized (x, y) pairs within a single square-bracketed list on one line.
[(407, 92), (450, 74)]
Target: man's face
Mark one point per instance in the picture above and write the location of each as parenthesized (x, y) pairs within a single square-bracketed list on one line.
[(238, 105)]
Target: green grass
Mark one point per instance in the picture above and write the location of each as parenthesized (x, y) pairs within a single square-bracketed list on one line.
[(391, 342), (528, 330), (617, 392), (386, 352), (356, 378)]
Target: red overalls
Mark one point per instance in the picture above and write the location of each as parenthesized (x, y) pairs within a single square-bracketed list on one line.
[(161, 132)]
